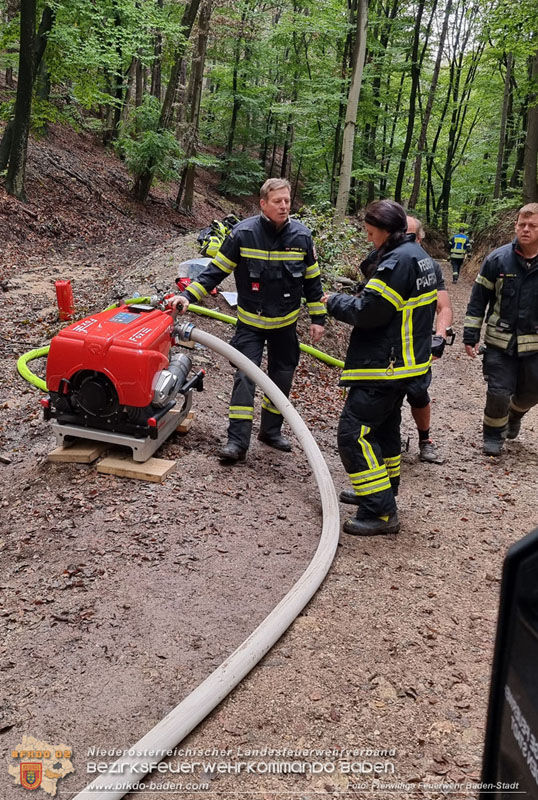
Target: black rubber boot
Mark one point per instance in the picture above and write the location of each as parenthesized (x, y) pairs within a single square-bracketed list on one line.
[(349, 496), (372, 526), (276, 440), (232, 452), (493, 446), (514, 425)]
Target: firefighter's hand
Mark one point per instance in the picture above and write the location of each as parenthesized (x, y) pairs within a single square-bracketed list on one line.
[(179, 300), (316, 332), (472, 349)]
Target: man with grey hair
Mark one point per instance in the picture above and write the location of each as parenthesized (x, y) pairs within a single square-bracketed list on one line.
[(505, 295), (274, 263), (417, 394)]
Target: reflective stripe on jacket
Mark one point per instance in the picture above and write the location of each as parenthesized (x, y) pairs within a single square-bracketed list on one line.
[(458, 245), (505, 293), (392, 318), (273, 271)]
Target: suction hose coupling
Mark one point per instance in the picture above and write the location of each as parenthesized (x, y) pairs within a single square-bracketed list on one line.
[(183, 331)]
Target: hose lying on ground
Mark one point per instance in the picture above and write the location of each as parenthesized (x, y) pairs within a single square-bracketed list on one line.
[(128, 770)]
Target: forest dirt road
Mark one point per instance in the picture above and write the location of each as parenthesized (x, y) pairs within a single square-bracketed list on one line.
[(119, 597)]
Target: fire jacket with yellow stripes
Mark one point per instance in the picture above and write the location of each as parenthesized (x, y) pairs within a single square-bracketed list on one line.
[(459, 244), (273, 271), (392, 318), (507, 285)]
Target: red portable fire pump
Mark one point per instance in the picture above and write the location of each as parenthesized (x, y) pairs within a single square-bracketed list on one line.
[(111, 378)]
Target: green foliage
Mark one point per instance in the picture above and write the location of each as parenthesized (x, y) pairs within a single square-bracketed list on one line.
[(144, 146), (44, 113), (279, 73), (241, 174), (340, 248), (203, 160)]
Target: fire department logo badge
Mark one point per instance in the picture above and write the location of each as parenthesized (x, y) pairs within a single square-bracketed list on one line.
[(40, 765), (31, 774)]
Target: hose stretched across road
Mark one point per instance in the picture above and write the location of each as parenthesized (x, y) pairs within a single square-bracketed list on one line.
[(128, 771)]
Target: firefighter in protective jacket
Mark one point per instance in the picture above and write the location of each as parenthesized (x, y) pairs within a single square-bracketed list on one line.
[(459, 247), (390, 345), (273, 260), (506, 294)]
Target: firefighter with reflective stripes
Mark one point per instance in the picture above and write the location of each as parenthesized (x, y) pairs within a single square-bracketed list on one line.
[(273, 261), (390, 345), (505, 293), (459, 247)]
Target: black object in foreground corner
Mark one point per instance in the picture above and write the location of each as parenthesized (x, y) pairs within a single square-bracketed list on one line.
[(510, 768)]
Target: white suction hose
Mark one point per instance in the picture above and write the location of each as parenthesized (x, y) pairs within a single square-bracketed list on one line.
[(128, 771)]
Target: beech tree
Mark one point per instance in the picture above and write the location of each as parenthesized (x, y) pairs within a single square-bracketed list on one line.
[(433, 100), (14, 143), (348, 143)]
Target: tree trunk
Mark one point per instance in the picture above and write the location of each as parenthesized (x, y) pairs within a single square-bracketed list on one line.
[(45, 26), (530, 159), (143, 182), (502, 132), (23, 104), (413, 199), (415, 77), (185, 195), (348, 141), (388, 149), (156, 88), (386, 25), (129, 90), (139, 77)]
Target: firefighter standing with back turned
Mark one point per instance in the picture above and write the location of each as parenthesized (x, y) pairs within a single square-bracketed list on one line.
[(390, 344), (507, 286), (273, 260), (459, 247)]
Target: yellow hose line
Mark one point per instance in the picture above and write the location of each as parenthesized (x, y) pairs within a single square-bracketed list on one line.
[(306, 348), (24, 371)]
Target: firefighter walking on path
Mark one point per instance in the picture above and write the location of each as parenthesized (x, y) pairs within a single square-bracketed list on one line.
[(459, 247), (389, 346), (274, 263), (506, 294)]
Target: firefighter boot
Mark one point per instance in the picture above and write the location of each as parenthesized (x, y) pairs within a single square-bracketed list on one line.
[(514, 424), (493, 446), (232, 452), (276, 440), (372, 526), (270, 431), (349, 496)]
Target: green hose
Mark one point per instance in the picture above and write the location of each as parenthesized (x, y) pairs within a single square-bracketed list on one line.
[(24, 372), (131, 301), (306, 348)]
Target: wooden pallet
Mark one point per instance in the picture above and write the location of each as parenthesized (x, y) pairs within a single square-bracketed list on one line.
[(86, 451), (82, 451), (154, 469)]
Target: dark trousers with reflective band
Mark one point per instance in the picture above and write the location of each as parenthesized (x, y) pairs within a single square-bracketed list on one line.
[(282, 358), (369, 444), (512, 388), (456, 266)]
